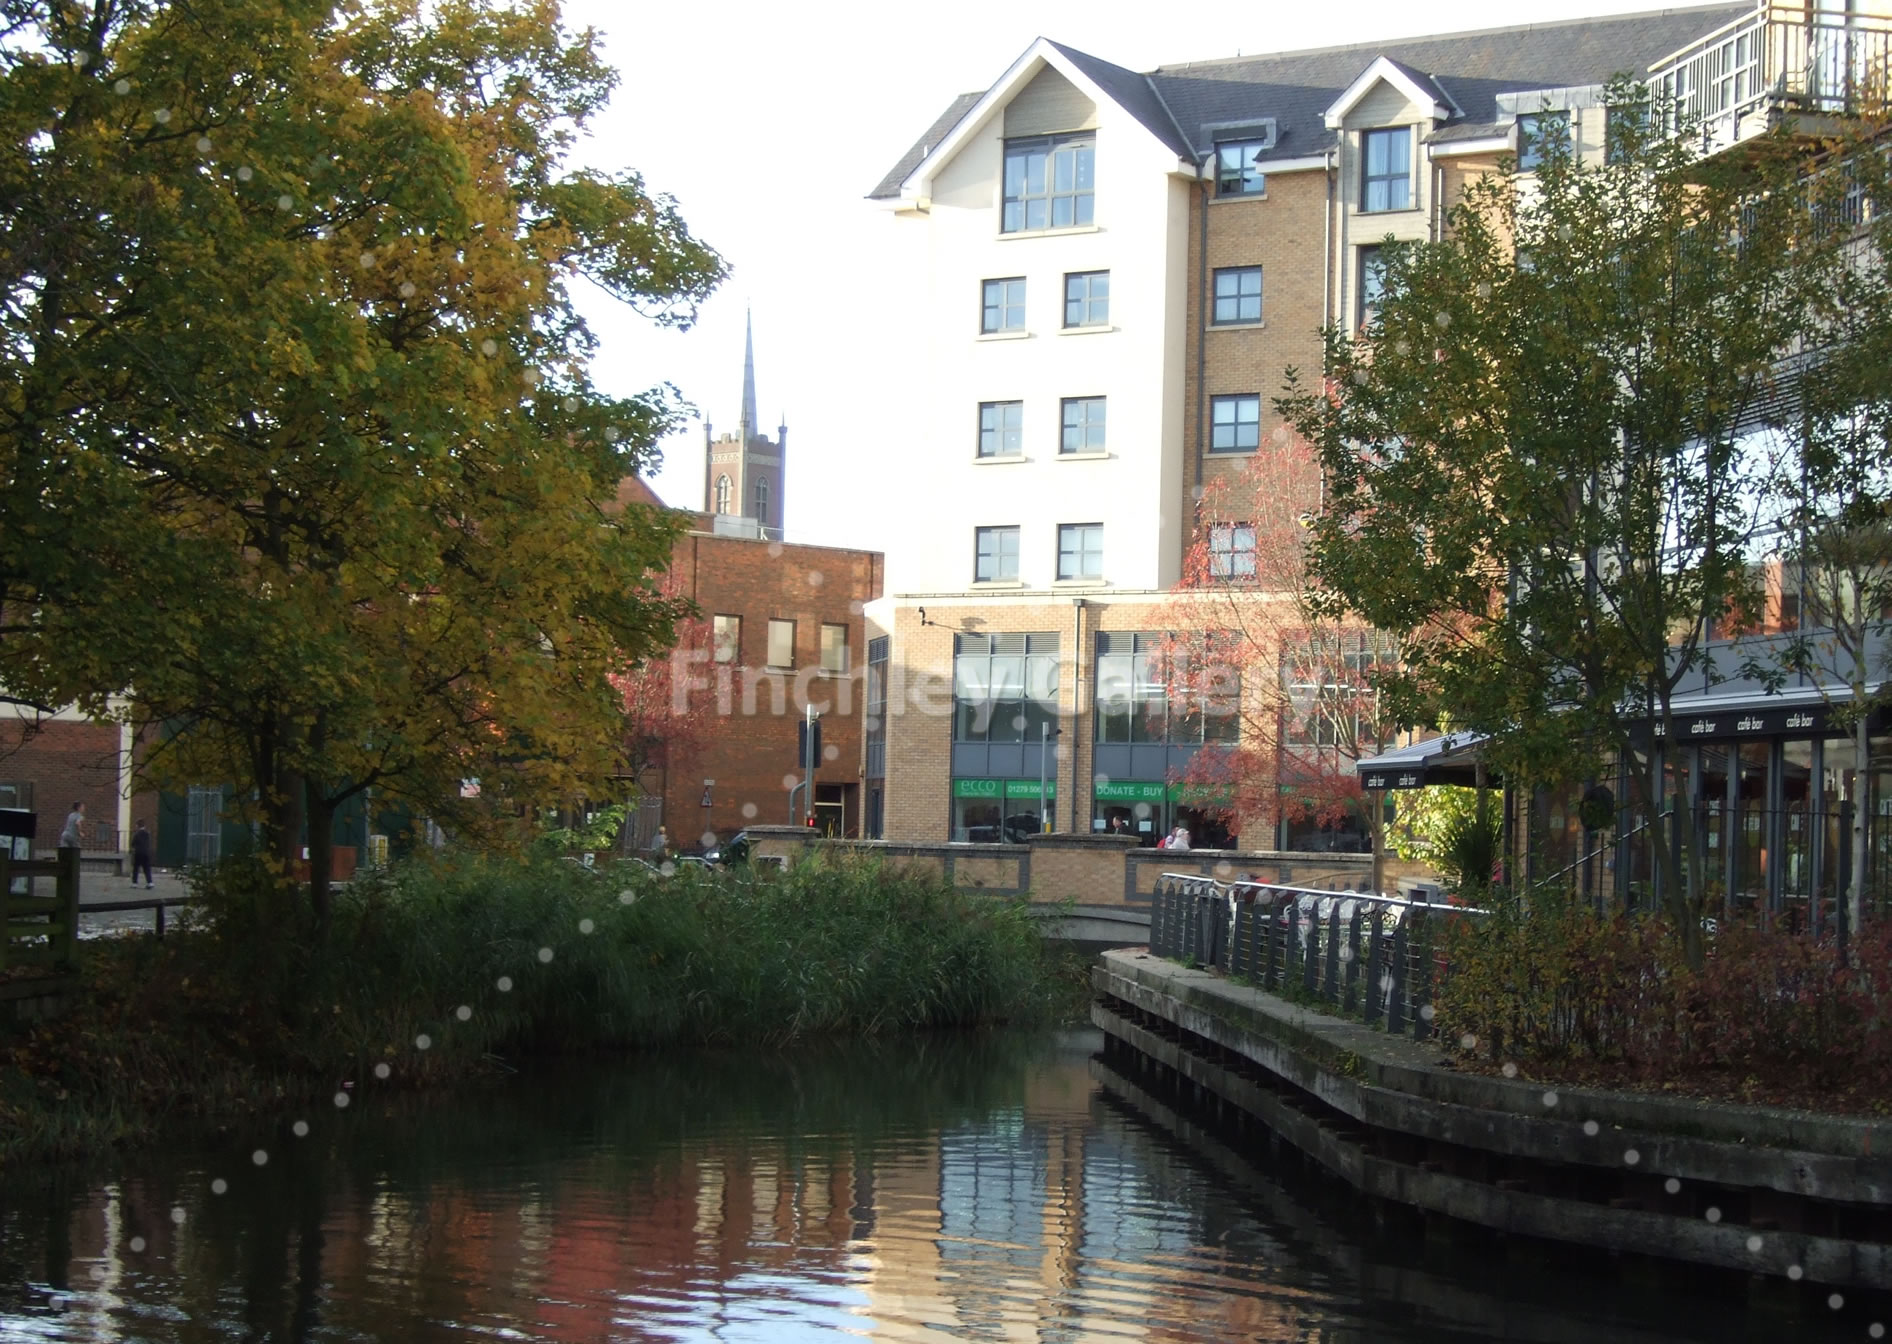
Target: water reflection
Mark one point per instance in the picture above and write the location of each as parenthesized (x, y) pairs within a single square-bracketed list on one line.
[(945, 1188)]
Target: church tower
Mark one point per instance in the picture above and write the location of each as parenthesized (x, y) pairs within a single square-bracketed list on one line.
[(742, 472)]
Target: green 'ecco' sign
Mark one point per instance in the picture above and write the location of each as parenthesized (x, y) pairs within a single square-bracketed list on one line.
[(1003, 788)]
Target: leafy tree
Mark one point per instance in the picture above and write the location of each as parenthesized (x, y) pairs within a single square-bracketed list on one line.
[(668, 715), (324, 392), (1548, 459), (1837, 551)]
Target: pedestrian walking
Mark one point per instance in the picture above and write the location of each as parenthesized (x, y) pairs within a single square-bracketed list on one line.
[(72, 836), (659, 845), (141, 856)]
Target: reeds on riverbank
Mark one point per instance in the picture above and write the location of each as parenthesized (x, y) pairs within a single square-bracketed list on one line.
[(438, 969)]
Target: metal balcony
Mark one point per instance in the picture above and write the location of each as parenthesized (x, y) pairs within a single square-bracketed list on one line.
[(1802, 62)]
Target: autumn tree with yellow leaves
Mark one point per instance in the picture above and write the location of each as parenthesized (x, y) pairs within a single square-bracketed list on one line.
[(298, 444)]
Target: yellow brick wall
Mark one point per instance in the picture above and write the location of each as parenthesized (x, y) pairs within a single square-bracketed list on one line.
[(1280, 232), (919, 740)]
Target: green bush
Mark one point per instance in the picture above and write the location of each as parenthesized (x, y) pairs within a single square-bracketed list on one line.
[(494, 958)]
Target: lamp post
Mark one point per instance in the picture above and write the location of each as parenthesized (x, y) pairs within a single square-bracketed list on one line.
[(1045, 734)]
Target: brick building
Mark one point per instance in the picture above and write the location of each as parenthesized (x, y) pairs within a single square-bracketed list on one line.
[(49, 761), (1108, 273), (785, 630)]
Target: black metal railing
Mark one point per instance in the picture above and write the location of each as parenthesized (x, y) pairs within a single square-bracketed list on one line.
[(1354, 953)]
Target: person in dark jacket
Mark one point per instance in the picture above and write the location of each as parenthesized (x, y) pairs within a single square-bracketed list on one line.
[(141, 856)]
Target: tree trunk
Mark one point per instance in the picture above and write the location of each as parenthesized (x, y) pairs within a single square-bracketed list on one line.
[(1862, 803), (321, 818), (321, 852)]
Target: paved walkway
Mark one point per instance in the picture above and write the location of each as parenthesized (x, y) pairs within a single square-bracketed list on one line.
[(94, 888)]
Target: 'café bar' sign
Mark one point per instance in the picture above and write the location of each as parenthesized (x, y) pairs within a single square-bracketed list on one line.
[(1801, 721)]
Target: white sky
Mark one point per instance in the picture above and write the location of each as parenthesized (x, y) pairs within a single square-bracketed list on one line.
[(770, 122)]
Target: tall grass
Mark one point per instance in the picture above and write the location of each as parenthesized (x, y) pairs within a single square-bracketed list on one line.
[(439, 968)]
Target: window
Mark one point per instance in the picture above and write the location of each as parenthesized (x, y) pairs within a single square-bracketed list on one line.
[(1087, 299), (726, 645), (1624, 128), (722, 493), (1539, 135), (1237, 294), (1083, 425), (874, 724), (996, 555), (1330, 685), (1004, 305), (1134, 684), (1005, 687), (1232, 551), (1049, 183), (1386, 169), (1001, 428), (833, 648), (1372, 284), (781, 643), (1236, 173), (1235, 424), (1081, 551), (762, 500)]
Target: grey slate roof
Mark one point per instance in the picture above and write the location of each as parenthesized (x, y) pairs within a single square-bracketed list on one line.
[(1134, 94), (890, 184), (1294, 88)]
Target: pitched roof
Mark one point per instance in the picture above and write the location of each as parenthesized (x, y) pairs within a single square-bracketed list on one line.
[(1472, 69), (1134, 94), (890, 184), (1179, 103), (634, 490)]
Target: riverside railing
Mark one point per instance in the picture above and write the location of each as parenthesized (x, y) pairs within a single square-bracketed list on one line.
[(1361, 955)]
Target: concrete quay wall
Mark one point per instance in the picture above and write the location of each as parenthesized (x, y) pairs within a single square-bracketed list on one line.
[(1754, 1189)]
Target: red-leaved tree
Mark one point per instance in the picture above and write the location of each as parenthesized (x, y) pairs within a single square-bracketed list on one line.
[(1252, 639)]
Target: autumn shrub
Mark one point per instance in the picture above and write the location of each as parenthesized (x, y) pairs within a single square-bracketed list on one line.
[(1771, 1010), (445, 966)]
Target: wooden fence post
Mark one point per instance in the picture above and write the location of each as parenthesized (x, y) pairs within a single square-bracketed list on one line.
[(66, 890)]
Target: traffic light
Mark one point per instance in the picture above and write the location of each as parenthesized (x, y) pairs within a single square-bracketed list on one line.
[(804, 754), (811, 821)]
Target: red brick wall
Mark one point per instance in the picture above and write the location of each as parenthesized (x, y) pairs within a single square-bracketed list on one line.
[(749, 750), (64, 760)]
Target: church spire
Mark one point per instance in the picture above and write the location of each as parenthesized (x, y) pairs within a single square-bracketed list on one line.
[(751, 425)]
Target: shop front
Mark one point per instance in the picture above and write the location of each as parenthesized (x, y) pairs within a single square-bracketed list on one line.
[(1150, 809), (1000, 811)]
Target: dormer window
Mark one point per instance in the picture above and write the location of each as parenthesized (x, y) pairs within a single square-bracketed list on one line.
[(1236, 173), (1386, 169), (1050, 182)]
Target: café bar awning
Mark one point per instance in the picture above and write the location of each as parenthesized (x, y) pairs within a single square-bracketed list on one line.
[(1450, 759)]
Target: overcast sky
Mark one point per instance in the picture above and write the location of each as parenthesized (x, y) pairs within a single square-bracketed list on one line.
[(770, 122)]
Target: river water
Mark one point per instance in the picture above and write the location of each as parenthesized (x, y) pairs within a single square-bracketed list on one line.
[(1004, 1187)]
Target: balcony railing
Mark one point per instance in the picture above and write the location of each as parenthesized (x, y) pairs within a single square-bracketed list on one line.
[(1775, 58)]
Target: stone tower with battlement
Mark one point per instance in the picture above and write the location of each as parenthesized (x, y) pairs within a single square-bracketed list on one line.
[(743, 472)]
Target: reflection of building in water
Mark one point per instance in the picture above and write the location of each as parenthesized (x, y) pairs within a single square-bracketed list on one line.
[(1049, 1220)]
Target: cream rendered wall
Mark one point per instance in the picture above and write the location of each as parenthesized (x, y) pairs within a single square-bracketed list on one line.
[(1140, 237)]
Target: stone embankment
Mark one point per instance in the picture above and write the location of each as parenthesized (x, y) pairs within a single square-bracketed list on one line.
[(1747, 1188)]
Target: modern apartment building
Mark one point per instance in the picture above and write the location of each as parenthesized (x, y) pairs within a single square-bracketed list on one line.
[(1112, 272)]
